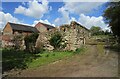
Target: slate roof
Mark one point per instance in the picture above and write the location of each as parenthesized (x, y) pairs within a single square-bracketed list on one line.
[(25, 28), (47, 26)]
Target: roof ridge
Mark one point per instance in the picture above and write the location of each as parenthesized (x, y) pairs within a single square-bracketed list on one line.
[(23, 27), (45, 24), (19, 24), (80, 24)]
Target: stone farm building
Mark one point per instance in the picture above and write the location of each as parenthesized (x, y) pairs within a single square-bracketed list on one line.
[(12, 29), (73, 34), (41, 27)]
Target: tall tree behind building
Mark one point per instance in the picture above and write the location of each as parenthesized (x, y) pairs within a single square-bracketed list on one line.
[(112, 16)]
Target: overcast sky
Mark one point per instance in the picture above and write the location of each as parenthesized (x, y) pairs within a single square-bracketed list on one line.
[(54, 13)]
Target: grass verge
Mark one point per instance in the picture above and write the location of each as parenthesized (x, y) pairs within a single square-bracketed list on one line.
[(12, 59), (48, 57)]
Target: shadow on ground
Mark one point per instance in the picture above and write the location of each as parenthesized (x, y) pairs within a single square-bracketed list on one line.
[(12, 59), (115, 48)]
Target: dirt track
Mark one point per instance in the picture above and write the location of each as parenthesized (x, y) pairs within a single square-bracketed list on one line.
[(90, 64)]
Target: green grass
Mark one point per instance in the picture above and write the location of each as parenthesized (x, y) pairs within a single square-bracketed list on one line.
[(80, 50), (13, 59), (48, 57), (100, 50), (101, 36)]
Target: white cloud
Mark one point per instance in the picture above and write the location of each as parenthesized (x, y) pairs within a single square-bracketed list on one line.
[(86, 21), (35, 9), (23, 3), (107, 28), (20, 10), (92, 21), (64, 19), (86, 0), (72, 19), (43, 21), (80, 7), (75, 8), (7, 17)]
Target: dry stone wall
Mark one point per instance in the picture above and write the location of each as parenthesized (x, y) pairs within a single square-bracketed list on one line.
[(74, 35)]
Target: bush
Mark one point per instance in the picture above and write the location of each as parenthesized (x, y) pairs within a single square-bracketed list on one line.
[(12, 59), (39, 49), (79, 50), (56, 40), (17, 40), (30, 42), (47, 55)]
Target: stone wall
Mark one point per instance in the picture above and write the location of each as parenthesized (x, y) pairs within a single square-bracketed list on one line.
[(74, 35), (7, 30), (43, 41)]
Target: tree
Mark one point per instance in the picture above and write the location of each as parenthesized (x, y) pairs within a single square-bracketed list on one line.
[(112, 16), (56, 40), (95, 30), (107, 32), (30, 42)]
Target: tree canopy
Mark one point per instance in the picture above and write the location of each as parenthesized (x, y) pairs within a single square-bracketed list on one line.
[(112, 16), (95, 30)]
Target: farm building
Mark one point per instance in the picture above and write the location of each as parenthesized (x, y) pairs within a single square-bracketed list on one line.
[(74, 35), (13, 29), (42, 28)]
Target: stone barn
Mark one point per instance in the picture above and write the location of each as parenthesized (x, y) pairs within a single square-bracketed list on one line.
[(43, 28), (12, 29), (75, 35), (44, 35)]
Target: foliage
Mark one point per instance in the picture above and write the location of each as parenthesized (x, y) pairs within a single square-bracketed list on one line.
[(41, 49), (112, 16), (30, 42), (56, 40), (79, 50), (98, 31), (12, 59), (107, 32), (17, 40), (95, 30), (49, 57)]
